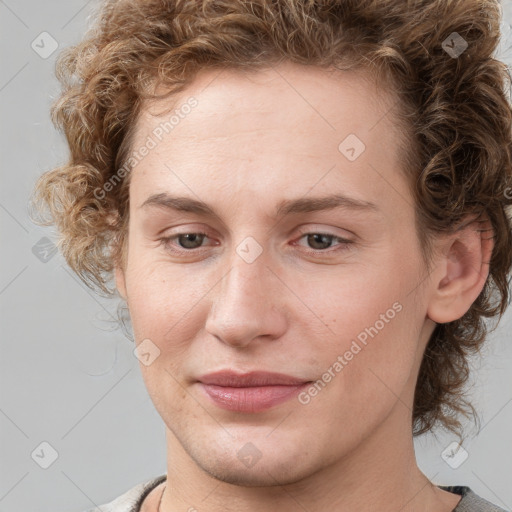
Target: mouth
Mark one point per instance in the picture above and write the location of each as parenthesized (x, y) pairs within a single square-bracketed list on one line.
[(250, 392)]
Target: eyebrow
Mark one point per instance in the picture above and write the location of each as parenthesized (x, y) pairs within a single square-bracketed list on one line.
[(285, 207)]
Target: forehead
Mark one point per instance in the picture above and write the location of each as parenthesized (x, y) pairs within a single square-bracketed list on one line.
[(284, 92), (274, 126)]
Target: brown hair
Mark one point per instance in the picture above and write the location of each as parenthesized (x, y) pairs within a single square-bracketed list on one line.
[(452, 109)]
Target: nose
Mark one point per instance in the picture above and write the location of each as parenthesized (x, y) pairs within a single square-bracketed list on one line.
[(245, 305)]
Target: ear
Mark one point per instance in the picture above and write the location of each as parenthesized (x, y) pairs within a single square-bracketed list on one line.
[(120, 282), (461, 271), (113, 219)]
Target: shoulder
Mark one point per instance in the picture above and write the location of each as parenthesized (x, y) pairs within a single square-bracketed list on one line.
[(131, 500), (470, 501)]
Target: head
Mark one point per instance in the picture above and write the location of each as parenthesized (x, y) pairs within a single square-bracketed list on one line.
[(256, 111)]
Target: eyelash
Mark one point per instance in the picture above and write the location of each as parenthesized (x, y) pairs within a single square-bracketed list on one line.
[(344, 243)]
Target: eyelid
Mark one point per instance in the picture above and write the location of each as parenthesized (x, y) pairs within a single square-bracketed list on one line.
[(327, 231), (303, 230)]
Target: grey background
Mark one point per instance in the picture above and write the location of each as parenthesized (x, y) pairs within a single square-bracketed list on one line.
[(69, 379)]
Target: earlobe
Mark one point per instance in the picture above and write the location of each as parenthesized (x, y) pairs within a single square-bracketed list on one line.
[(463, 271)]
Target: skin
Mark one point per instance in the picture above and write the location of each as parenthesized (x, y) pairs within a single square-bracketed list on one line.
[(252, 141)]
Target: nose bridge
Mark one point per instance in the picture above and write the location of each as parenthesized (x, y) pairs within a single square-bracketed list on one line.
[(250, 275), (244, 302), (248, 267), (247, 282)]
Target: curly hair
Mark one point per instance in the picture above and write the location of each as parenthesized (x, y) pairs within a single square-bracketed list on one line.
[(452, 109)]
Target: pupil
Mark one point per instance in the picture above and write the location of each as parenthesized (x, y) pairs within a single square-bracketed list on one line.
[(190, 237), (316, 236)]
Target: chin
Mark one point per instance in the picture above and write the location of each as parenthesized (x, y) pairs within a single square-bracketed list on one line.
[(272, 473), (253, 460)]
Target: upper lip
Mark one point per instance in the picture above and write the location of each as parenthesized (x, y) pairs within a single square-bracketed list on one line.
[(229, 378)]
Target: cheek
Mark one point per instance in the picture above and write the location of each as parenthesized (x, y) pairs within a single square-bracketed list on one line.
[(162, 296), (345, 301), (364, 369), (370, 321)]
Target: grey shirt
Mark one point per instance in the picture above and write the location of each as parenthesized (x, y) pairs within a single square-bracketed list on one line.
[(132, 499)]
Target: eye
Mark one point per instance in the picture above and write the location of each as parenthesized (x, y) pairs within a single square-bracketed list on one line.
[(187, 241), (319, 242)]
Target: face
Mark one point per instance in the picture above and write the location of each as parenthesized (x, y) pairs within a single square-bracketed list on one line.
[(269, 281)]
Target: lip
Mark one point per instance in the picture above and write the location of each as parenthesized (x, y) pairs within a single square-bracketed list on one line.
[(250, 392), (233, 379)]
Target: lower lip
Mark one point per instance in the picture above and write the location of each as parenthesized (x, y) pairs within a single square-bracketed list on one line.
[(251, 399)]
